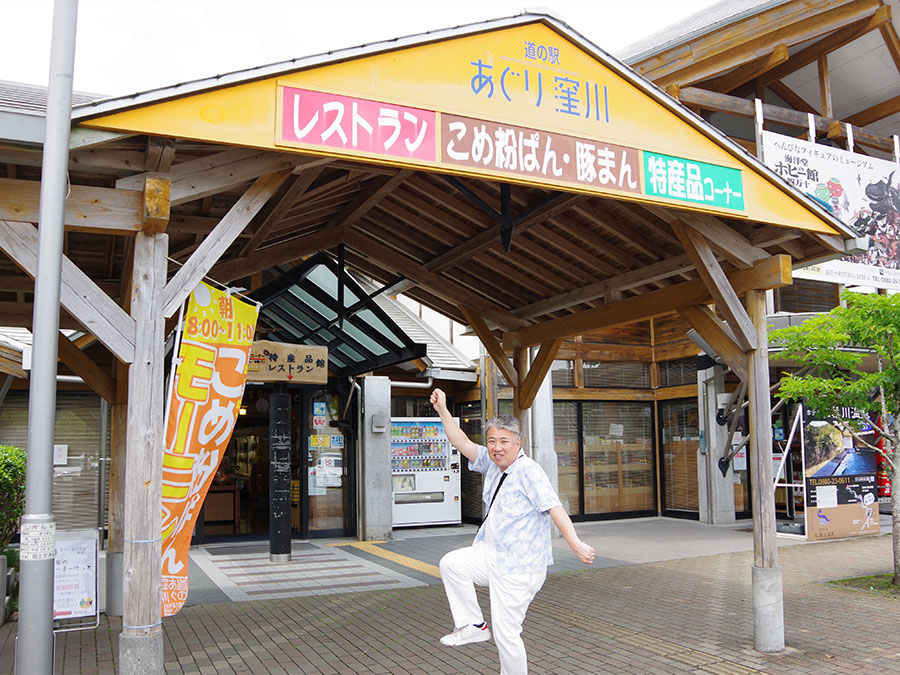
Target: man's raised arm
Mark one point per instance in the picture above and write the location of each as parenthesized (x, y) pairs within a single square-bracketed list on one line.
[(456, 435)]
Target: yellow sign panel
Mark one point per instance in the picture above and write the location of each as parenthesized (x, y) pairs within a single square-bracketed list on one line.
[(282, 362), (522, 104)]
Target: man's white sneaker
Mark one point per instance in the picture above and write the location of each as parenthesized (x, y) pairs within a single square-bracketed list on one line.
[(466, 635)]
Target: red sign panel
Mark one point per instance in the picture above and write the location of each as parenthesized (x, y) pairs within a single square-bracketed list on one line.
[(334, 121)]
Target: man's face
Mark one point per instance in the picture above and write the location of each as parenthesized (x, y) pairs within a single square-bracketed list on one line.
[(503, 447)]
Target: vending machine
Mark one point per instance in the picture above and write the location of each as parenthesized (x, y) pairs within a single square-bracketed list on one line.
[(424, 473)]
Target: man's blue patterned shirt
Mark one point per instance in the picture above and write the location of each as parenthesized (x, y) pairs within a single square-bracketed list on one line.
[(519, 516)]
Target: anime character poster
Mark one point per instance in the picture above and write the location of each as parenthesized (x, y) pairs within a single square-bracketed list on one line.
[(863, 191)]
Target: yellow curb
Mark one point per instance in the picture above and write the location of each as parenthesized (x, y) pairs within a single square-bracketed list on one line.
[(406, 561)]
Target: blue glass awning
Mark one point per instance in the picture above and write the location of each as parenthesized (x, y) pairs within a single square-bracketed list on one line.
[(319, 303)]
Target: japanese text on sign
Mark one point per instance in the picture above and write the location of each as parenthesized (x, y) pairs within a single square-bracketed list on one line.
[(690, 181), (281, 362), (203, 408), (537, 79), (75, 577), (334, 121), (529, 152)]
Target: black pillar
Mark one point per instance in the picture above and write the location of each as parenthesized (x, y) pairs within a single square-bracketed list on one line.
[(279, 473)]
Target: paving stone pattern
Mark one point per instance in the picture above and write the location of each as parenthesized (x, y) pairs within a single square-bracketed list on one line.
[(685, 615)]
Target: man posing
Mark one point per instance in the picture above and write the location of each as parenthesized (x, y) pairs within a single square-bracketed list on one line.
[(512, 548)]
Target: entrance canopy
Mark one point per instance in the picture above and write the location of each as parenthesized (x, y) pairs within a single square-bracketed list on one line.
[(318, 302)]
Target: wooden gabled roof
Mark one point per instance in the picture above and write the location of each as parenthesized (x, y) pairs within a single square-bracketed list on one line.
[(578, 258)]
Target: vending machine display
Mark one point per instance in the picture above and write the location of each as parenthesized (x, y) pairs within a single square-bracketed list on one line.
[(424, 473)]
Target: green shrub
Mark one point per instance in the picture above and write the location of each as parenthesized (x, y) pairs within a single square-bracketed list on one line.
[(12, 491)]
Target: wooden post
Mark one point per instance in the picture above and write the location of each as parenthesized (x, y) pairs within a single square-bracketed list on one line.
[(768, 596), (520, 363), (114, 543), (140, 643)]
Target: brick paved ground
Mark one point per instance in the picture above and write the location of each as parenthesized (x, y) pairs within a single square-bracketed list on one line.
[(688, 615)]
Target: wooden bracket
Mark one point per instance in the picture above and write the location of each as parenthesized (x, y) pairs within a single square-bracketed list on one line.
[(701, 319), (85, 368), (156, 204), (772, 272), (712, 274), (538, 371), (78, 294), (491, 344), (218, 241)]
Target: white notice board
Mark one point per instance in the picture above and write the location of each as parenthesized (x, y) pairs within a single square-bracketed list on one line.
[(75, 578)]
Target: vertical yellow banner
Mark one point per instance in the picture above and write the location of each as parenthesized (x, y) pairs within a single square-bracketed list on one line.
[(203, 407)]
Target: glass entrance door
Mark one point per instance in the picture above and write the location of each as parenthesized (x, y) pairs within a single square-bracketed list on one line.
[(327, 490)]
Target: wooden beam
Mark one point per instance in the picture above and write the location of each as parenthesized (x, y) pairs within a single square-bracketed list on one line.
[(160, 153), (772, 272), (892, 42), (875, 113), (491, 344), (718, 41), (713, 276), (263, 259), (155, 216), (218, 241), (88, 209), (490, 238), (812, 27), (701, 319), (826, 45), (84, 367), (826, 105), (226, 170), (730, 244), (790, 97), (21, 314), (389, 258), (540, 366), (377, 190), (299, 185), (81, 297), (773, 113), (632, 279), (11, 364), (749, 71)]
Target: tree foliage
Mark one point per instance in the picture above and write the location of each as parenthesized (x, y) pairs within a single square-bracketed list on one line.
[(850, 360), (12, 491)]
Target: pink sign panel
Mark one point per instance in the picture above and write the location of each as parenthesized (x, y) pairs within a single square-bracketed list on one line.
[(333, 121)]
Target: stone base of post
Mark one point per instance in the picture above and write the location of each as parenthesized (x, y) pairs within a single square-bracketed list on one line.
[(768, 609), (141, 654)]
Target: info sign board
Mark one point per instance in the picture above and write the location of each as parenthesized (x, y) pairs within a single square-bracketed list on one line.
[(75, 579), (379, 129), (529, 104), (862, 191), (282, 362), (841, 492)]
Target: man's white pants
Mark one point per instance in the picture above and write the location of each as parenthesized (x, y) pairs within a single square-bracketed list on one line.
[(510, 596)]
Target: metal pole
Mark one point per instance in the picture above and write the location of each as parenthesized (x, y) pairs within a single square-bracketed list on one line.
[(34, 647)]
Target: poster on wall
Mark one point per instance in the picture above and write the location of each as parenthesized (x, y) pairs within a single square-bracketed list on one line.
[(863, 191), (203, 404), (841, 491)]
